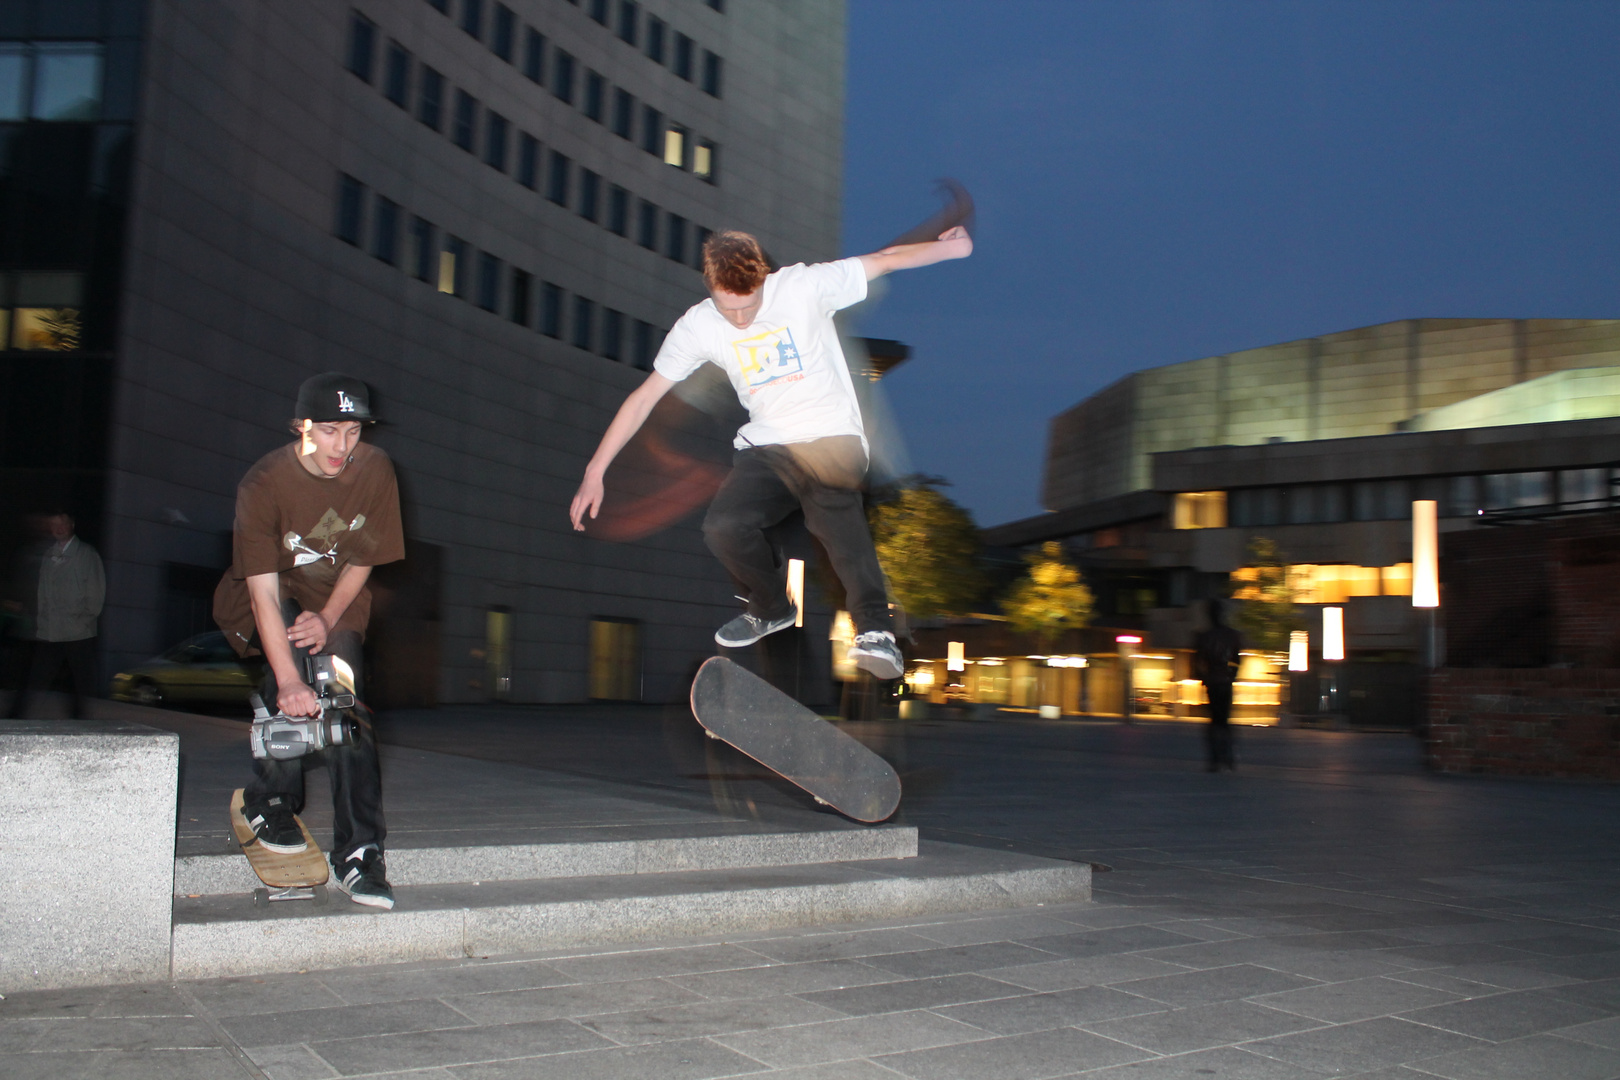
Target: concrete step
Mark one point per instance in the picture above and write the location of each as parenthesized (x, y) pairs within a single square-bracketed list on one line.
[(224, 935), (622, 850)]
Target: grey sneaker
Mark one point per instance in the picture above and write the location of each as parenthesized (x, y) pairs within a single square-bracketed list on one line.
[(745, 629), (876, 653), (363, 876), (275, 826)]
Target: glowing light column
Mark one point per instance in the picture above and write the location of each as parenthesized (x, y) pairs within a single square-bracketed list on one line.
[(1426, 568)]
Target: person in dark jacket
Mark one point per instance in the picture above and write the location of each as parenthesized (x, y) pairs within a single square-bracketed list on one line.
[(1216, 654), (70, 587)]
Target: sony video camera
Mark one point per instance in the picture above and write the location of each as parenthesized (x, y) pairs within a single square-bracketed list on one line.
[(286, 737)]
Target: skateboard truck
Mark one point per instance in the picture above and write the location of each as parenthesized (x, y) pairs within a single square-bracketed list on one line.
[(285, 738)]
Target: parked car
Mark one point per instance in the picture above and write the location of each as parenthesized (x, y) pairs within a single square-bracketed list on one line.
[(201, 670)]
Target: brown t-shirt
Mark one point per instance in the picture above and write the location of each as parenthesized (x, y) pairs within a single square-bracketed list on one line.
[(307, 528)]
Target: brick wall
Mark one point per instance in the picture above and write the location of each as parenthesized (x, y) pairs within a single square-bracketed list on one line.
[(1554, 722)]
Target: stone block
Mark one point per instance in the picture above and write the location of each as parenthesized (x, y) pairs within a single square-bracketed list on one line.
[(87, 872)]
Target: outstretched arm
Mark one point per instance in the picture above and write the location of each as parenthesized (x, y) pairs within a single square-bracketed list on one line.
[(631, 415), (953, 243)]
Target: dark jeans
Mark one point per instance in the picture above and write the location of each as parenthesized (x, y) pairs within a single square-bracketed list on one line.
[(768, 483), (357, 816), (1219, 733), (48, 658)]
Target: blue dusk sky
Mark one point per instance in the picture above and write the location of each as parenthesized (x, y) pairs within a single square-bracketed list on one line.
[(1161, 181)]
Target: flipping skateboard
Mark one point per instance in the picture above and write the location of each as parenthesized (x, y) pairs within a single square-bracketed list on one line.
[(300, 876), (738, 707)]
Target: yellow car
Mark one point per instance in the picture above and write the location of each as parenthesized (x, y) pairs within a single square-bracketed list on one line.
[(202, 670)]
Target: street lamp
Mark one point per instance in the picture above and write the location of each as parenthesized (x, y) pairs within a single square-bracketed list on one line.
[(1332, 650), (1426, 568), (1125, 641)]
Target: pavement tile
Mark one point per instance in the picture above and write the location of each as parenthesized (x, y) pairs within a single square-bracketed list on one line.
[(1440, 979), (841, 946), (1600, 994), (1458, 954), (1598, 1033), (296, 1062), (1035, 1056), (1324, 966), (556, 1002), (1526, 975), (138, 999), (309, 1025), (1359, 999), (1202, 1027), (1121, 939), (459, 1046), (782, 979), (836, 1070), (706, 1018), (1037, 1012), (112, 1033), (212, 1064), (1225, 1063), (1568, 944), (1345, 941), (262, 994), (1214, 984), (370, 987), (1391, 920), (1592, 967), (958, 959), (1001, 928), (653, 963), (1363, 1046), (838, 1040), (1512, 1015), (1536, 1056), (912, 994), (695, 1059), (1094, 971)]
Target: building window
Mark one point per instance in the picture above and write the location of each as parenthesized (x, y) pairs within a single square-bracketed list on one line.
[(675, 239), (472, 17), (562, 75), (1585, 489), (385, 231), (655, 39), (675, 147), (443, 6), (430, 99), (599, 11), (1504, 491), (624, 111), (615, 659), (528, 163), (700, 237), (522, 303), (595, 95), (48, 315), (489, 281), (424, 253), (464, 121), (505, 32), (618, 215), (551, 307), (590, 195), (711, 73), (1199, 510), (584, 317), (362, 45), (706, 160), (453, 267), (652, 130), (647, 231), (397, 74), (641, 346), (557, 182), (718, 5), (350, 209), (629, 20), (534, 55), (684, 48), (55, 81), (495, 140), (613, 334), (498, 651)]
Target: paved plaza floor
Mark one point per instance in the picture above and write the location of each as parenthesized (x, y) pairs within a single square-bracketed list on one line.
[(1329, 910)]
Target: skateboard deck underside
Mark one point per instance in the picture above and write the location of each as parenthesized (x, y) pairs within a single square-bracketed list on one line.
[(740, 708), (301, 870)]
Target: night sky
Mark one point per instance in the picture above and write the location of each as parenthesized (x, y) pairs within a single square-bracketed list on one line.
[(1158, 182)]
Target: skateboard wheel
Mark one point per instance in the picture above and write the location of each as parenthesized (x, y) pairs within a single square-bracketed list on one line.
[(261, 898), (320, 896)]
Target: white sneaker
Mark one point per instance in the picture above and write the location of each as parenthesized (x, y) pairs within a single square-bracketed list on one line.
[(876, 653)]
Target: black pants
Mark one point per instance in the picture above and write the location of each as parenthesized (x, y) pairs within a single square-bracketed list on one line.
[(1219, 733), (357, 816), (768, 483), (48, 658)]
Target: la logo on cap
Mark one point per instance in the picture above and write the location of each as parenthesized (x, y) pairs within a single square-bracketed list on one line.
[(345, 402)]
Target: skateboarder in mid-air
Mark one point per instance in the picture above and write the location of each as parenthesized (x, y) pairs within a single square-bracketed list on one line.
[(312, 518), (803, 447)]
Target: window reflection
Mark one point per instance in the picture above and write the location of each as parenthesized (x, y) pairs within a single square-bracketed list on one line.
[(67, 82), (13, 81)]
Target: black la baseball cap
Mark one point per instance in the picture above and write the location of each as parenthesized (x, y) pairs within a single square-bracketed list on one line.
[(334, 396)]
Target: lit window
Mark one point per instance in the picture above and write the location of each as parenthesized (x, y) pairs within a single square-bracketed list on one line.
[(615, 649), (1199, 510), (675, 147), (1398, 579), (453, 267), (49, 313), (703, 159)]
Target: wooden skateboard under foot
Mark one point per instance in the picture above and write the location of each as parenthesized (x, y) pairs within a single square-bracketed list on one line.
[(738, 707), (300, 876)]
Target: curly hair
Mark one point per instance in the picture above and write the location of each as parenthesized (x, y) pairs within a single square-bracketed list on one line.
[(733, 262)]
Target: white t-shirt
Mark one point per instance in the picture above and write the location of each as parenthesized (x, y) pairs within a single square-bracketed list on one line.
[(787, 366)]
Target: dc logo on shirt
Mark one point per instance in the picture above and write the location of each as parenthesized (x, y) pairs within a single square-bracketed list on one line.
[(765, 358)]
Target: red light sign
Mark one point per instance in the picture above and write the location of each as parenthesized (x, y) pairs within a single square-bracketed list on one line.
[(1128, 639)]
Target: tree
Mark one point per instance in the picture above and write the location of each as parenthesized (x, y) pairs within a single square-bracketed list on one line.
[(1051, 598), (1266, 617), (929, 548)]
